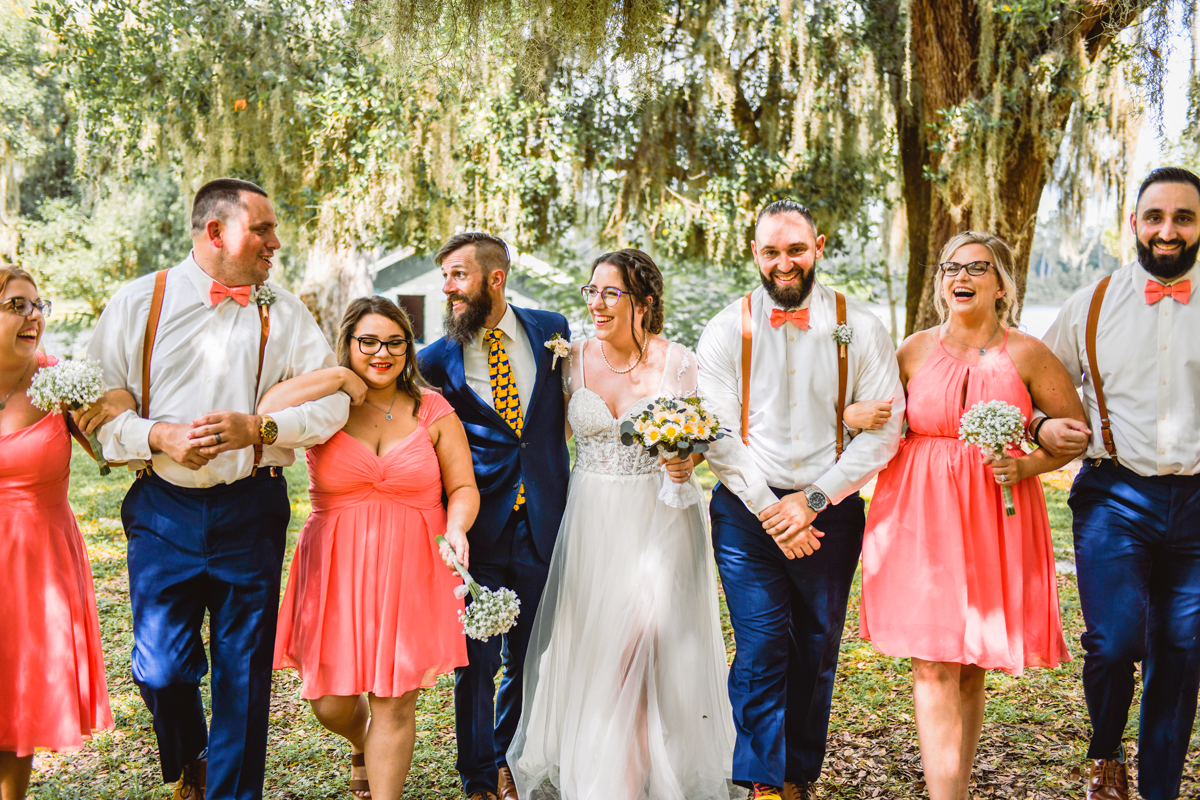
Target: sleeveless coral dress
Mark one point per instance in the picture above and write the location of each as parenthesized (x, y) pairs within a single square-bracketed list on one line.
[(946, 575), (52, 689), (369, 604)]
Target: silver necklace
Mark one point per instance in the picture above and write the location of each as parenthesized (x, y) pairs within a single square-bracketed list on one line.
[(387, 414), (631, 366), (18, 386), (982, 348)]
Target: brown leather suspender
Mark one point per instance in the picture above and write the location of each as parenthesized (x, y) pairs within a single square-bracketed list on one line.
[(747, 342), (1093, 321)]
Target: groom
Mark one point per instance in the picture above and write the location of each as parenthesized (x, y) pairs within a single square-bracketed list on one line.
[(504, 384), (787, 521)]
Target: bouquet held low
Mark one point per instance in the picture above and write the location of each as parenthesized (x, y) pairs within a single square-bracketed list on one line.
[(994, 427), (75, 384), (490, 613)]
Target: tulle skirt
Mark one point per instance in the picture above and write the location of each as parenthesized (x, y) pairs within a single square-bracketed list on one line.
[(624, 694)]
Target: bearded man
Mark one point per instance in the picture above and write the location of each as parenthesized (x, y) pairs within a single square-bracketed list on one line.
[(1133, 342), (493, 368), (773, 361)]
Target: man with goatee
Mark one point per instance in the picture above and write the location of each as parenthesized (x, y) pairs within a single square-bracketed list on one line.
[(1133, 341), (493, 367)]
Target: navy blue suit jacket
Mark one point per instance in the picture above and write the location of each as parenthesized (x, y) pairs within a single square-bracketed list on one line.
[(501, 459)]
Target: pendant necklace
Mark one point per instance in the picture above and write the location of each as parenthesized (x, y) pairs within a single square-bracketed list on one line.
[(631, 366), (387, 414), (982, 348), (19, 382)]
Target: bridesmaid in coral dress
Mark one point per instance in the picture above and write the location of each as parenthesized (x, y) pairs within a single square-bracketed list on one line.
[(948, 580), (52, 689), (369, 606)]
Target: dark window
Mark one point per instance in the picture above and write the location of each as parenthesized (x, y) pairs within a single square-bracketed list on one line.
[(414, 306)]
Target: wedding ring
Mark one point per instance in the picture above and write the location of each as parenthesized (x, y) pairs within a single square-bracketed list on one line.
[(218, 437), (1002, 478)]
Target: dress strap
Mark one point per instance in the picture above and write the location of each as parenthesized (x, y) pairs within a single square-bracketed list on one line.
[(582, 379)]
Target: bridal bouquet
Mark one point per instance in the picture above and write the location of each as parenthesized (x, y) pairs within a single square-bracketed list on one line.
[(490, 613), (77, 384), (672, 428), (994, 427)]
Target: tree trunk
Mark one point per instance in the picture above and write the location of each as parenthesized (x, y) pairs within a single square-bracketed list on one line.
[(332, 279)]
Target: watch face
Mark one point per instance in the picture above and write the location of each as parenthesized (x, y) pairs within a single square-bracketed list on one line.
[(269, 431)]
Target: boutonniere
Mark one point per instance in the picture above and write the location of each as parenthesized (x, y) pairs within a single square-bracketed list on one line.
[(843, 334), (264, 295), (560, 347)]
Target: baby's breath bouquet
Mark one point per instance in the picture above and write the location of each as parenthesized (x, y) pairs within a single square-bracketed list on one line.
[(994, 427), (77, 384), (490, 613), (673, 427)]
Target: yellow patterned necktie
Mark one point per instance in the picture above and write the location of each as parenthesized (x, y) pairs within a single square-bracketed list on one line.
[(504, 393)]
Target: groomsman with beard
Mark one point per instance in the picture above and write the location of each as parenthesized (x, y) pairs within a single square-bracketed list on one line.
[(787, 521), (493, 368), (1133, 342)]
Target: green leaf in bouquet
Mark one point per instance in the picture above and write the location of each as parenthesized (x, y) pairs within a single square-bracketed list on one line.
[(627, 427), (700, 447), (626, 438)]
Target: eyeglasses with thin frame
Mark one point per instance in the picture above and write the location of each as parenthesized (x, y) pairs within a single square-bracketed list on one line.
[(610, 295), (369, 345), (976, 268), (23, 306)]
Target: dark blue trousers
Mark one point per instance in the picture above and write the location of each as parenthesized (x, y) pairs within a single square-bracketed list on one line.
[(218, 550), (485, 721), (787, 619), (1137, 552)]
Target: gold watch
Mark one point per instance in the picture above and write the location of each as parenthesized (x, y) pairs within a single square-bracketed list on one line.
[(269, 431)]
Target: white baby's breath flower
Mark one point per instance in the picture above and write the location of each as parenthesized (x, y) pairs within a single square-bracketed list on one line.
[(264, 295), (843, 334), (490, 613), (76, 383)]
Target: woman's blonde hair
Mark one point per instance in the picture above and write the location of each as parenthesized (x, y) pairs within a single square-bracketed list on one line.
[(1008, 308)]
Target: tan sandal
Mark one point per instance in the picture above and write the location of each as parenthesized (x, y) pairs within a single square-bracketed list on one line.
[(356, 785)]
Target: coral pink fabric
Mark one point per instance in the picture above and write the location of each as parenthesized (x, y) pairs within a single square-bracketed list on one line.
[(52, 689), (946, 575), (369, 605)]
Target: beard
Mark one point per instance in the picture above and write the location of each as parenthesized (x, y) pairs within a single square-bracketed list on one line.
[(1166, 267), (466, 324), (789, 297)]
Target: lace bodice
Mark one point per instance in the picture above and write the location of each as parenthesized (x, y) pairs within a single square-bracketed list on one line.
[(598, 433)]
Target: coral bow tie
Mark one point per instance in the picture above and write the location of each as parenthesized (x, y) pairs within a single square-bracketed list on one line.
[(1181, 292), (240, 294), (799, 318)]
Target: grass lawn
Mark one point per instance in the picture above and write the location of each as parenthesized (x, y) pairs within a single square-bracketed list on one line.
[(1034, 737)]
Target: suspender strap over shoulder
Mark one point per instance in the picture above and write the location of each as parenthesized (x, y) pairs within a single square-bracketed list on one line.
[(264, 318), (843, 368), (747, 337), (1093, 321)]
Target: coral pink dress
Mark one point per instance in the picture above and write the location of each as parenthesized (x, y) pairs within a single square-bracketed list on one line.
[(369, 605), (946, 575), (52, 689)]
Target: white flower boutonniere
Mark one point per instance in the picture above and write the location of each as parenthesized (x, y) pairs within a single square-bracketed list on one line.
[(843, 334), (264, 295), (560, 347)]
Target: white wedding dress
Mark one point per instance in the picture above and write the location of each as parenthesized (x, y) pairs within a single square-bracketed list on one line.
[(624, 694)]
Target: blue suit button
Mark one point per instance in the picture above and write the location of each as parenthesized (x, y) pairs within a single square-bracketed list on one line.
[(523, 445)]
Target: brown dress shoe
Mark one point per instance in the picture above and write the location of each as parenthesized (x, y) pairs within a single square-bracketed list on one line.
[(190, 785), (507, 788), (799, 791), (1108, 780)]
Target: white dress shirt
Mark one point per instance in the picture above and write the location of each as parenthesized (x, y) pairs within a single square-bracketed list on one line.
[(1149, 362), (793, 398), (205, 358), (520, 360)]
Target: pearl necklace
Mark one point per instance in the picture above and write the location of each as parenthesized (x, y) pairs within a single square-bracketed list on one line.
[(22, 380), (631, 366)]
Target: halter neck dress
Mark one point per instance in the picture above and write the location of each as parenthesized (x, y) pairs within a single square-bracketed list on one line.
[(946, 575)]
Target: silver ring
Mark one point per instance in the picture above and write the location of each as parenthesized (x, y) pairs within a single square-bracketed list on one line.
[(1002, 478), (218, 437)]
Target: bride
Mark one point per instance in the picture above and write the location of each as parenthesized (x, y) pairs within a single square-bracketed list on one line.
[(624, 694)]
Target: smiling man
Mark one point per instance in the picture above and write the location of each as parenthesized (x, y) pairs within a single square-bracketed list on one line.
[(787, 521), (1136, 500), (206, 519)]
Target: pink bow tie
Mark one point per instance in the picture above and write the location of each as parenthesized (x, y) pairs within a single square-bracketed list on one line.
[(1181, 292), (798, 318), (218, 292)]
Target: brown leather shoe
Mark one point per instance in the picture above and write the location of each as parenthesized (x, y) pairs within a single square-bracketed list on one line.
[(507, 788), (799, 791), (190, 785), (1108, 780)]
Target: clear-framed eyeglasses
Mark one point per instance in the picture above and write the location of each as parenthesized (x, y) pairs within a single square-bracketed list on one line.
[(976, 268), (610, 295), (23, 306), (369, 345)]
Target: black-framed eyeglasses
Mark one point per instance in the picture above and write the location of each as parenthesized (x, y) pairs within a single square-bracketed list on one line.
[(369, 345), (23, 306), (975, 268), (611, 296)]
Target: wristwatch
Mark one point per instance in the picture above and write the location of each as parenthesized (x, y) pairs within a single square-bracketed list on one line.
[(269, 431), (816, 498)]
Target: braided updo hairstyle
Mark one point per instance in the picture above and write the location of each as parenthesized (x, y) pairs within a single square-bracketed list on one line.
[(642, 280)]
